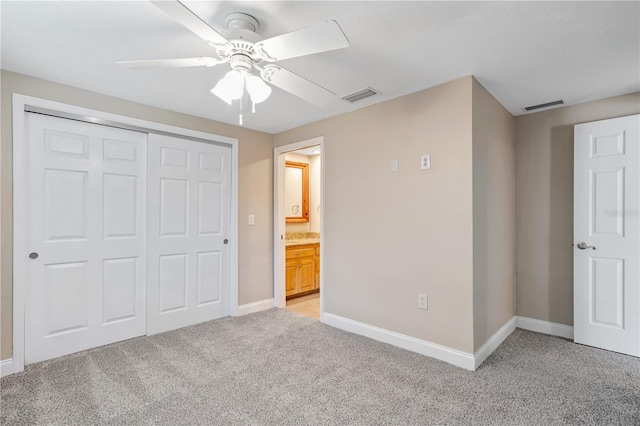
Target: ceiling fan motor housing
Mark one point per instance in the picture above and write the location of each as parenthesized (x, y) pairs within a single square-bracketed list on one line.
[(241, 62)]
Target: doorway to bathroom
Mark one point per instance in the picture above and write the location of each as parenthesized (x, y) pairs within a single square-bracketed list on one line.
[(298, 227)]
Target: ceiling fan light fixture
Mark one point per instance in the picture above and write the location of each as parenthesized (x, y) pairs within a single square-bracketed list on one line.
[(256, 87), (230, 88)]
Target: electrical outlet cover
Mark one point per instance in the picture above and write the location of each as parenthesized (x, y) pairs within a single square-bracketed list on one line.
[(425, 162), (423, 302)]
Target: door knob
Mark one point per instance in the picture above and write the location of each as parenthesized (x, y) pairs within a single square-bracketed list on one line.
[(584, 246), (226, 241), (33, 255)]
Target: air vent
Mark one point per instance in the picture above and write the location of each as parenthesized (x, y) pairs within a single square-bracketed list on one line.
[(360, 94), (545, 105)]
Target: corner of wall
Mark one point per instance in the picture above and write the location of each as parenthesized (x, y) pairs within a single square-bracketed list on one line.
[(493, 134)]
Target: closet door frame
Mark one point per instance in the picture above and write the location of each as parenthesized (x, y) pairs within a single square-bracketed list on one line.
[(21, 104)]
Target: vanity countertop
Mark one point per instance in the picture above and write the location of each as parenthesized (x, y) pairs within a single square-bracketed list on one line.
[(302, 238), (301, 241)]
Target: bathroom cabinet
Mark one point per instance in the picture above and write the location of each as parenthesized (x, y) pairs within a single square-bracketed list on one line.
[(302, 269)]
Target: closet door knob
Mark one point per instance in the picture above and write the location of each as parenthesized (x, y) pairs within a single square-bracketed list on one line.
[(33, 255)]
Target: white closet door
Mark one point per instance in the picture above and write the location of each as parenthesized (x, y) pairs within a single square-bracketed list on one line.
[(189, 221), (87, 227)]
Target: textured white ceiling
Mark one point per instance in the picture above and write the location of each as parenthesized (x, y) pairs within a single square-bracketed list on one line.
[(524, 53)]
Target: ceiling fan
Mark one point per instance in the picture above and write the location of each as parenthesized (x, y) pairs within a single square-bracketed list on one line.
[(244, 50)]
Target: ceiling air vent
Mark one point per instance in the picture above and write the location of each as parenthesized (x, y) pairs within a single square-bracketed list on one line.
[(544, 105), (360, 94)]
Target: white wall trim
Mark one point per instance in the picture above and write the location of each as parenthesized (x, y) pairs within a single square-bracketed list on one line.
[(250, 308), (443, 353), (20, 208), (20, 215), (545, 327), (7, 367), (494, 341), (279, 232)]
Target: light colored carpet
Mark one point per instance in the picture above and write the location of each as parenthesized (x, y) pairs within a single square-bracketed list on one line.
[(280, 368)]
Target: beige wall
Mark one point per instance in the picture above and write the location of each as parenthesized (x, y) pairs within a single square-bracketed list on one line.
[(493, 215), (389, 236), (255, 184), (544, 204), (315, 192)]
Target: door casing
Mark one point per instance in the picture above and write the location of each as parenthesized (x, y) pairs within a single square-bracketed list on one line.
[(279, 225)]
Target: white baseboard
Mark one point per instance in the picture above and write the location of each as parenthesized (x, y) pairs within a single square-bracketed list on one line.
[(7, 366), (443, 353), (494, 341), (258, 306), (545, 327)]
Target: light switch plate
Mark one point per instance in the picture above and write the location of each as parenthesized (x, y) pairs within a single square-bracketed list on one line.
[(395, 165), (252, 219), (425, 162)]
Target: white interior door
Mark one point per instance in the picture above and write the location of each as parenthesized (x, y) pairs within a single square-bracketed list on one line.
[(87, 208), (189, 222), (607, 234)]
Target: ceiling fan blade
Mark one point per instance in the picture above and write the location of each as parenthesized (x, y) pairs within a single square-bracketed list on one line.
[(296, 85), (191, 21), (314, 39), (171, 63)]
